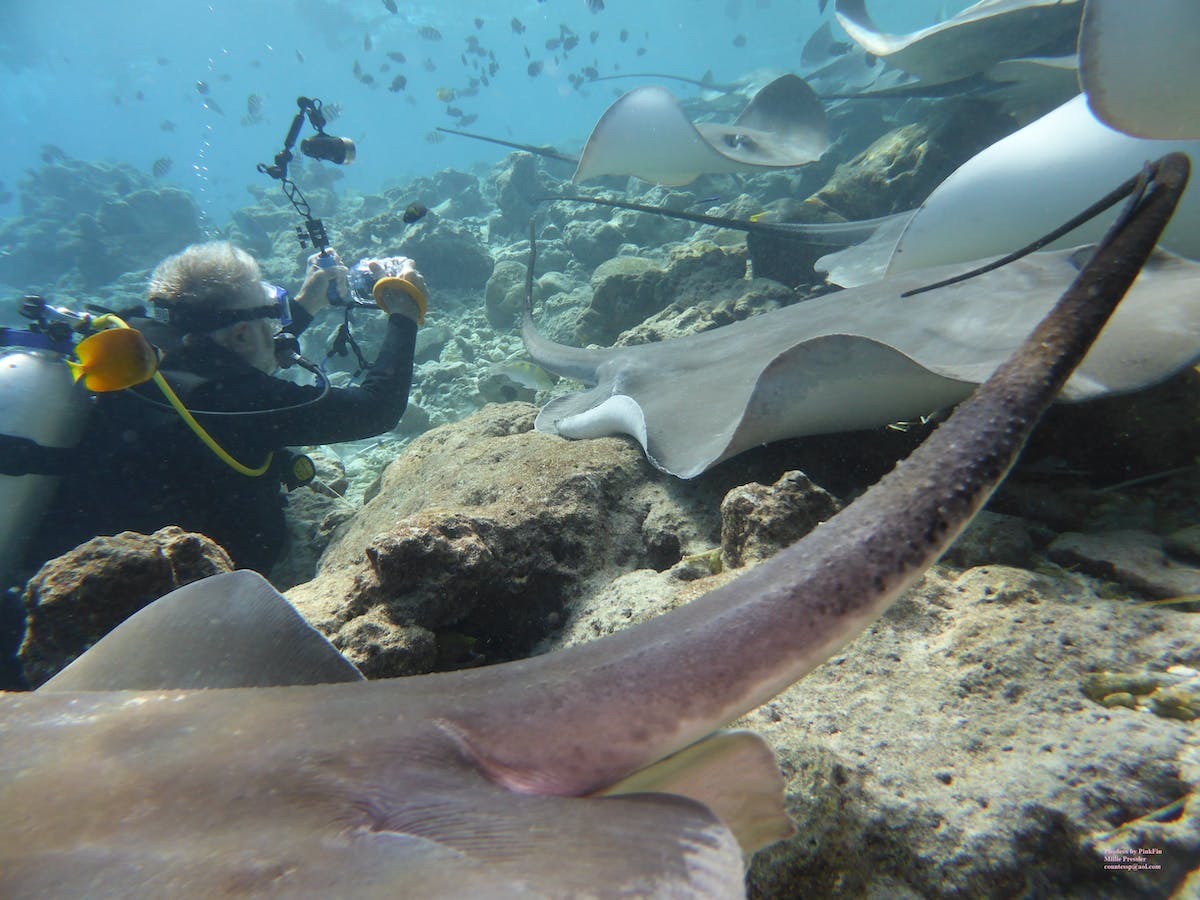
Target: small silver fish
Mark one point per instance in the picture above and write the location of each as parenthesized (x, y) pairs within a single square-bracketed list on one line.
[(525, 373)]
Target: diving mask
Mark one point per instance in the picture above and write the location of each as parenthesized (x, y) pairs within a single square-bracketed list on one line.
[(279, 296), (191, 319)]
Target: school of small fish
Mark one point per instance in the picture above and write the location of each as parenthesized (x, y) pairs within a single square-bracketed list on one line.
[(377, 60)]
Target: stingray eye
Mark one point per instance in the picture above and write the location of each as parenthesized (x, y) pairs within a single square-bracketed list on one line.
[(740, 141)]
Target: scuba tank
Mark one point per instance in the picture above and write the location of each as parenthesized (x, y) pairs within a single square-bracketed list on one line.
[(45, 400), (40, 402)]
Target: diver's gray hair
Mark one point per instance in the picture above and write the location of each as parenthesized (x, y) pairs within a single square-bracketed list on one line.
[(215, 275)]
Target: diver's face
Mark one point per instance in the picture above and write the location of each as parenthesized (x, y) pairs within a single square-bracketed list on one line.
[(257, 345), (254, 339)]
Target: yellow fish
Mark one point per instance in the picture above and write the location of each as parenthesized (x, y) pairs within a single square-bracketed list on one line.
[(446, 94), (115, 359)]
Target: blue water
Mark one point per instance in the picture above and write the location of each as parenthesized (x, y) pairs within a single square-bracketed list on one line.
[(99, 80)]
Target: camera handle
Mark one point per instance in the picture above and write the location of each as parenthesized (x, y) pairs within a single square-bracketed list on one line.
[(279, 171)]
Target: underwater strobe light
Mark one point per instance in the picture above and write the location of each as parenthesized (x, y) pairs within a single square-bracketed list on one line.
[(321, 146), (332, 149)]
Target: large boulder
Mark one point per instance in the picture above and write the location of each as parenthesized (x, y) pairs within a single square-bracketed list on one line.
[(630, 290), (77, 598), (452, 194), (758, 521), (520, 184), (481, 534), (625, 290)]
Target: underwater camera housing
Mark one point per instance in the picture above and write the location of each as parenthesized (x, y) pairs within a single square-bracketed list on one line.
[(362, 277), (361, 282)]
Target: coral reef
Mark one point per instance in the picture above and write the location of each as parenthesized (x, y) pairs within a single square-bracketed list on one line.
[(83, 225)]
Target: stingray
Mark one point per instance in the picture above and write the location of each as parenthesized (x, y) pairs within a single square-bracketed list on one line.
[(971, 41), (858, 359), (513, 780), (1139, 65), (852, 75), (821, 48), (1018, 83), (1065, 159), (645, 133)]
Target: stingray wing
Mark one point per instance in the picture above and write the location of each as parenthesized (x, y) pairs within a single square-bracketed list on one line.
[(424, 823), (1139, 65), (229, 630), (1068, 160), (736, 399), (971, 41), (646, 134)]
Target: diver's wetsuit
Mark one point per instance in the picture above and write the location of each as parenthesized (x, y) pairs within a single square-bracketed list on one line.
[(140, 468)]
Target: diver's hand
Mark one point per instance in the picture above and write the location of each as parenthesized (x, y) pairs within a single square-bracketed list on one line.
[(314, 293), (404, 292)]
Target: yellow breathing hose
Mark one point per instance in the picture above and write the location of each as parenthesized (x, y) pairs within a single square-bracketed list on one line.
[(177, 404)]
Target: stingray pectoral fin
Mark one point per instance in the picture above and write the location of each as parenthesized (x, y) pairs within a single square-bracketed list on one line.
[(574, 416), (501, 843), (729, 399), (645, 133), (865, 262), (228, 630), (784, 126), (1068, 159), (839, 382), (1139, 66), (733, 773), (852, 15)]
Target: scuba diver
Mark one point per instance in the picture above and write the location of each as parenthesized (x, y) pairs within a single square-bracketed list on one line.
[(140, 466), (182, 421)]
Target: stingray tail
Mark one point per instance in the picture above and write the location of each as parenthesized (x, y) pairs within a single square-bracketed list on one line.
[(820, 234), (752, 637), (561, 359), (547, 152)]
